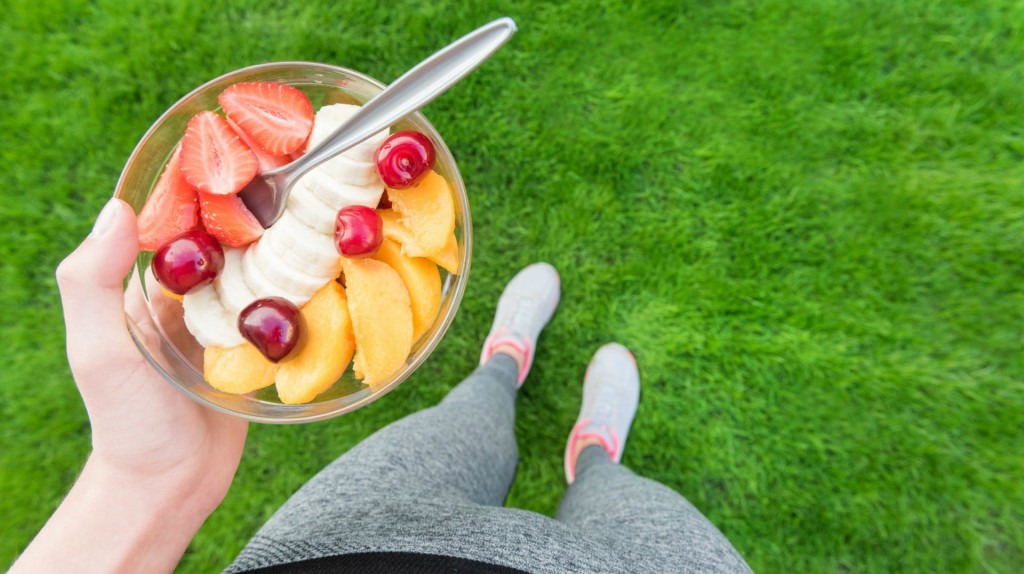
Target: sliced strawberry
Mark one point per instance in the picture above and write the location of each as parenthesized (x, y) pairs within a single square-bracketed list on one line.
[(227, 219), (172, 207), (277, 117), (213, 159), (266, 160)]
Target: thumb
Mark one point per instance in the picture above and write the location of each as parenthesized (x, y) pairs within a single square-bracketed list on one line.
[(91, 290)]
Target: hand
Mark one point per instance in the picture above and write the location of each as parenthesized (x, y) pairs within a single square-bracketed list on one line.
[(143, 428), (161, 462)]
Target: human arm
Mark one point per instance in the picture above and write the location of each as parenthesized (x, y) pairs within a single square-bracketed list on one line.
[(160, 462)]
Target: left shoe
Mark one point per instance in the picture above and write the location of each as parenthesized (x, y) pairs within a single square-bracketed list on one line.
[(524, 308), (611, 395)]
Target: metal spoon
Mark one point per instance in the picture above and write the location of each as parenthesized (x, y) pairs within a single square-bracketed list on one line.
[(266, 195)]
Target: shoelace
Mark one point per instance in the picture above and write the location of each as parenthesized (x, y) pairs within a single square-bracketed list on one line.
[(521, 310), (600, 420)]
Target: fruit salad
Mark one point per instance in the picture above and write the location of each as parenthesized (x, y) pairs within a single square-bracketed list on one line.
[(350, 276)]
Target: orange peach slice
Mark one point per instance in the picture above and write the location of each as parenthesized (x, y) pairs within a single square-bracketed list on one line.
[(239, 370), (421, 279), (381, 311), (175, 296), (327, 347), (448, 257), (396, 230), (427, 210)]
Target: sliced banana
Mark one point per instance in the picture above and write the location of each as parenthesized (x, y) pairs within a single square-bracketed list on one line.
[(261, 284), (208, 320), (230, 284), (330, 118), (343, 169), (309, 209), (337, 194), (284, 273), (291, 239)]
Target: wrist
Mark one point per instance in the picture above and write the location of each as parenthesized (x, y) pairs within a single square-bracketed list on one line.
[(150, 521), (179, 492), (156, 498), (113, 522)]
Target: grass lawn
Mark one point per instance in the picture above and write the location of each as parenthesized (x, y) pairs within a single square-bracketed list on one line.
[(806, 219)]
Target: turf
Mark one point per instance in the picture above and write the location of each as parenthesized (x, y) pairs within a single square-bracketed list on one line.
[(805, 218)]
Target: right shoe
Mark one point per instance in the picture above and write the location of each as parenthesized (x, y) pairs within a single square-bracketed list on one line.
[(611, 394)]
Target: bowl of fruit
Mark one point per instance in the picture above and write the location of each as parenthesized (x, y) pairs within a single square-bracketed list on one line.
[(334, 304)]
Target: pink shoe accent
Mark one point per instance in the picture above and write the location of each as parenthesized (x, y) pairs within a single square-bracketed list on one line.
[(498, 339), (577, 434)]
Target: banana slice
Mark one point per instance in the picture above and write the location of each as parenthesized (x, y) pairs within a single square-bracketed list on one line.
[(309, 209), (337, 193), (286, 274), (230, 284), (311, 251), (344, 169), (208, 320), (330, 118), (261, 285)]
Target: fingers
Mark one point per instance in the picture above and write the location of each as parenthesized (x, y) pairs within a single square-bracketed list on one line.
[(90, 282)]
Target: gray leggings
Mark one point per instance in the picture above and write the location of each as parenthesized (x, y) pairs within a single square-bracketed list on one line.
[(435, 482)]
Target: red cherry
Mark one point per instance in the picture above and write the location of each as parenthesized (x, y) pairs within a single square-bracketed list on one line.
[(404, 158), (191, 259), (358, 231), (272, 325)]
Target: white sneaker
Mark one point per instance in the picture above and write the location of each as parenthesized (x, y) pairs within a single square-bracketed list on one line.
[(611, 394), (526, 305)]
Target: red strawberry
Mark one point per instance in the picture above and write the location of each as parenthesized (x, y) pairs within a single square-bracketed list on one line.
[(277, 117), (266, 160), (213, 159), (172, 207), (227, 219)]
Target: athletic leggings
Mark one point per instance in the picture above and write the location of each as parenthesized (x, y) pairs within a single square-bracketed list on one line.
[(435, 483)]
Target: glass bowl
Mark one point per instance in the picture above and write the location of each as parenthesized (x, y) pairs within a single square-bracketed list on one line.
[(160, 332)]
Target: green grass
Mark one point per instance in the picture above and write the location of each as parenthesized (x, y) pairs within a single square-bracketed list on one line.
[(806, 218)]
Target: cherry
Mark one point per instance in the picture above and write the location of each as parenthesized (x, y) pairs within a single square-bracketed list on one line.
[(404, 158), (272, 325), (358, 231), (191, 259)]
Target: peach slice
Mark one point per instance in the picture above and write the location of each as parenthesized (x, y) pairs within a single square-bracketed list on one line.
[(396, 230), (381, 311), (448, 257), (423, 281), (326, 351), (427, 210), (175, 296), (239, 370)]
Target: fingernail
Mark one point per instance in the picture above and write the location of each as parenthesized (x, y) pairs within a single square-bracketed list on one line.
[(105, 220)]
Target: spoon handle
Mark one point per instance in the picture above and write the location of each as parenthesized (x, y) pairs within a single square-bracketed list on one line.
[(415, 89)]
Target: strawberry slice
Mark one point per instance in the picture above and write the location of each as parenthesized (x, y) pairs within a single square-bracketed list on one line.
[(172, 207), (277, 117), (266, 160), (227, 219), (213, 159)]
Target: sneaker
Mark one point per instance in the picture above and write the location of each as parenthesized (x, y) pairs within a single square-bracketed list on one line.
[(611, 393), (526, 305)]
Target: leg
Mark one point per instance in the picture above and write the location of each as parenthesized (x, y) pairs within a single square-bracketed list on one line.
[(462, 452), (449, 460), (611, 502), (464, 447), (608, 501)]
